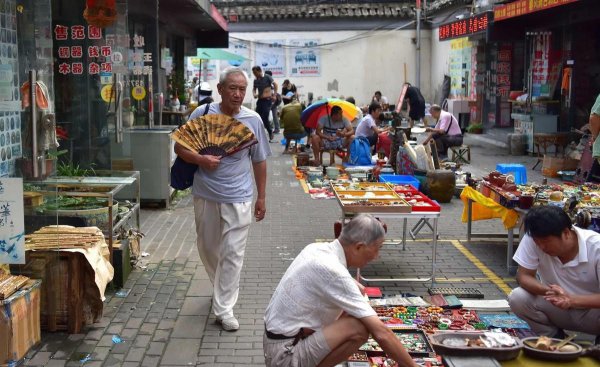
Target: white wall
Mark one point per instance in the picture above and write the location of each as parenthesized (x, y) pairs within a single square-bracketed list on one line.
[(440, 62), (360, 66)]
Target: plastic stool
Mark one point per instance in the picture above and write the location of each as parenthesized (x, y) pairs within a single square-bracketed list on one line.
[(515, 169)]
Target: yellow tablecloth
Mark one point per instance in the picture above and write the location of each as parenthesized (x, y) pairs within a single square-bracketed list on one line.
[(524, 361), (486, 208)]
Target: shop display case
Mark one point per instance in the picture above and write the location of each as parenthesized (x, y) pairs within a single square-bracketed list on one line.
[(104, 186)]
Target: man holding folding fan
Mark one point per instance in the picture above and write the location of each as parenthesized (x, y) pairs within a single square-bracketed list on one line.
[(223, 193)]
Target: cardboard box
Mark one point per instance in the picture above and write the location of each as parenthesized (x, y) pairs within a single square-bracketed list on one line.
[(552, 165), (19, 323)]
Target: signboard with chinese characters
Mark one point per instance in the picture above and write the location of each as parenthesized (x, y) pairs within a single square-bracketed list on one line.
[(521, 7), (305, 57), (241, 48), (270, 55), (465, 27), (12, 221), (77, 60), (140, 62)]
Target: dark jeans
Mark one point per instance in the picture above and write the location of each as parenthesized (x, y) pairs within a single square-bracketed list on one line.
[(443, 142), (263, 107), (372, 139)]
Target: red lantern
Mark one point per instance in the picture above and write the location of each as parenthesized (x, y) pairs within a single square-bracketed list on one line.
[(100, 13)]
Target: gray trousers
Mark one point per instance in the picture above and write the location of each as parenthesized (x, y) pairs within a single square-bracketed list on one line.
[(547, 319)]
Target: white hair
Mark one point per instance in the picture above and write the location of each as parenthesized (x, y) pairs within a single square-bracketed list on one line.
[(232, 70), (363, 228)]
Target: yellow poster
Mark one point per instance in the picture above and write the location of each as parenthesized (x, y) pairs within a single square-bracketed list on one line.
[(107, 93), (138, 93)]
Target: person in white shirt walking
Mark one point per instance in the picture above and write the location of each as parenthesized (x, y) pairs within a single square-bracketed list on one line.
[(318, 315)]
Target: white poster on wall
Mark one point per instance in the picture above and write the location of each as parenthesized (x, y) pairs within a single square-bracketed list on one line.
[(270, 55), (240, 48), (305, 57), (209, 70), (12, 219)]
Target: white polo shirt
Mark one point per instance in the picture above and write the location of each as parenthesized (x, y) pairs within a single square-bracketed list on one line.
[(579, 276), (314, 291)]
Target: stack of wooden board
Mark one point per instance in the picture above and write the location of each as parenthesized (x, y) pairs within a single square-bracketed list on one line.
[(63, 237), (9, 284)]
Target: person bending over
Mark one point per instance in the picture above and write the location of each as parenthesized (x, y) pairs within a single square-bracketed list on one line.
[(318, 315), (446, 132), (367, 127)]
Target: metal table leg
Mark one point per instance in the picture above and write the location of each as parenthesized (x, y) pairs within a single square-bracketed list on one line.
[(404, 224)]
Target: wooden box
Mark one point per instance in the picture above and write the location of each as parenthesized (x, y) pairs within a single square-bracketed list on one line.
[(67, 304), (31, 198), (19, 323)]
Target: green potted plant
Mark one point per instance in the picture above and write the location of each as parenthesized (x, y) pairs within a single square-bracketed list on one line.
[(26, 165), (475, 128), (177, 84)]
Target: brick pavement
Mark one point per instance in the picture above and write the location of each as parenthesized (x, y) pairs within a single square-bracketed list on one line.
[(166, 320)]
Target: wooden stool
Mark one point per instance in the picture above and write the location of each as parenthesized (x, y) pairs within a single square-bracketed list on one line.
[(332, 153), (287, 145), (542, 141), (458, 154)]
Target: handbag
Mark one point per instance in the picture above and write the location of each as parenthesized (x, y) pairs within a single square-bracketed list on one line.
[(182, 172)]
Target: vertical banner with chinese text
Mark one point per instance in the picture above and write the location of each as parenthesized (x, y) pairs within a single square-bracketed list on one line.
[(503, 76)]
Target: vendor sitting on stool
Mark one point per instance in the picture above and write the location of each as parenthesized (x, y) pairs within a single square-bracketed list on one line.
[(318, 315), (367, 127), (333, 132), (567, 261), (446, 132), (291, 124)]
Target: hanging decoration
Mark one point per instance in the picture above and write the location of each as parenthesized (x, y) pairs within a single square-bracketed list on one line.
[(100, 13)]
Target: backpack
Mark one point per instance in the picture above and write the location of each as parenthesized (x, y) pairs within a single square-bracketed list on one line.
[(360, 152), (182, 172)]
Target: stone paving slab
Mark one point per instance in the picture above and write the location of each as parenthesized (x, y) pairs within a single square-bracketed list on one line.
[(166, 320)]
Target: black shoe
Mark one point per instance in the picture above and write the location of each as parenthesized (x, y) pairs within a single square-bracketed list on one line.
[(270, 137)]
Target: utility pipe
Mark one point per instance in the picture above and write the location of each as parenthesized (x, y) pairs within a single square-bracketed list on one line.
[(417, 81)]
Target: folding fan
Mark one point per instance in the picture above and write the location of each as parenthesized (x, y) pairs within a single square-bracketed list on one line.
[(216, 134)]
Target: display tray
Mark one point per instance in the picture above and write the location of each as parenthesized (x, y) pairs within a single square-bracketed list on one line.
[(419, 201), (362, 195), (375, 206), (500, 353), (528, 349), (414, 341), (404, 188), (360, 186)]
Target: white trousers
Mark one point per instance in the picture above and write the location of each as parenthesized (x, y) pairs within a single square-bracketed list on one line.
[(222, 230), (546, 319)]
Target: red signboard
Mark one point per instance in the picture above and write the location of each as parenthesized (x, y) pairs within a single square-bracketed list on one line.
[(521, 7), (465, 27)]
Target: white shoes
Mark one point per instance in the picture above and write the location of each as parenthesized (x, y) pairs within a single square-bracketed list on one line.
[(229, 324)]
